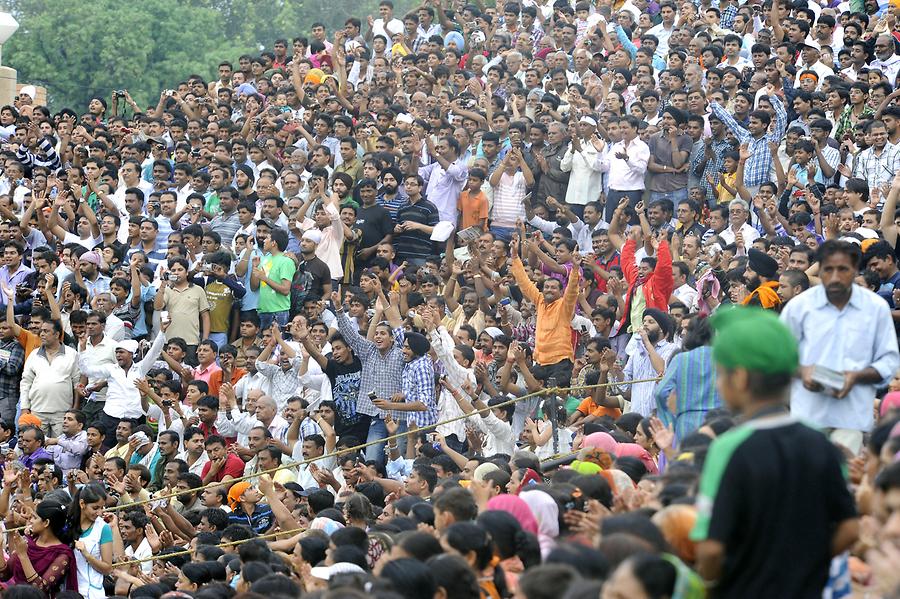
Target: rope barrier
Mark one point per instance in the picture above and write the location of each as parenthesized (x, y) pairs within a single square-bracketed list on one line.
[(273, 534), (220, 545), (357, 448)]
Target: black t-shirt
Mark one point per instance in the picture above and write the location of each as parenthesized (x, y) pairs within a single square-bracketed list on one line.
[(416, 244), (374, 222), (776, 492), (345, 380), (310, 278)]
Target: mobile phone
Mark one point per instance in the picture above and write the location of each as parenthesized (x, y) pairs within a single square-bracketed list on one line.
[(167, 403), (373, 396), (164, 315)]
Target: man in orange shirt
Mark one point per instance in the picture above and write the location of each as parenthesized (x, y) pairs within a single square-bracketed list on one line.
[(553, 349)]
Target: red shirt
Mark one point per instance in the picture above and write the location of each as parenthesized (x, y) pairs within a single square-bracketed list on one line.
[(234, 467)]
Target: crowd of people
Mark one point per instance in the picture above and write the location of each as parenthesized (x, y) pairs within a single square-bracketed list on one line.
[(536, 300)]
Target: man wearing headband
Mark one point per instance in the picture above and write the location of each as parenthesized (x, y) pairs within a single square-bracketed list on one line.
[(757, 510)]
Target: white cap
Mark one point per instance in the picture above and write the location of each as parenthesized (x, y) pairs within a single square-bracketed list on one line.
[(29, 90), (129, 345), (313, 235), (326, 572)]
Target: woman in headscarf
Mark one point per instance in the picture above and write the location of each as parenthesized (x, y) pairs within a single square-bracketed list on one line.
[(546, 512), (520, 479), (602, 441), (675, 522), (518, 509), (634, 450)]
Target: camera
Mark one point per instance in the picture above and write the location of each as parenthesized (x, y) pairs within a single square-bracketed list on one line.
[(172, 278), (120, 93)]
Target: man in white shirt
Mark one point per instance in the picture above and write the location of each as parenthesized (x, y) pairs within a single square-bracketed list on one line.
[(738, 212), (123, 400), (664, 30), (626, 162), (885, 59), (132, 527), (386, 20)]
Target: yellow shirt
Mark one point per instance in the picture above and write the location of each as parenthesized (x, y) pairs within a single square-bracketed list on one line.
[(724, 195)]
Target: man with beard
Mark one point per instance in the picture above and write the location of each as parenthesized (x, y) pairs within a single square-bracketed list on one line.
[(243, 180), (652, 350), (848, 330), (761, 277), (390, 195)]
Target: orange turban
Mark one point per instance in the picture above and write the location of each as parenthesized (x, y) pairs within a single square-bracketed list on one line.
[(29, 420), (234, 494)]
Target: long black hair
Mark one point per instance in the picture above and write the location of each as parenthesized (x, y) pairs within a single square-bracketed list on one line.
[(89, 493), (55, 513)]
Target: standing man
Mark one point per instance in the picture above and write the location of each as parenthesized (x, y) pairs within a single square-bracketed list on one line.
[(100, 350), (757, 137), (272, 276), (186, 304), (123, 400), (847, 331), (48, 380), (554, 355), (670, 152), (382, 364), (746, 533), (445, 177), (626, 161)]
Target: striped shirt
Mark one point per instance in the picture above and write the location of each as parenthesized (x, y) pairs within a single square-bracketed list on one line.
[(638, 368), (508, 195), (29, 159), (381, 372), (691, 375), (756, 170)]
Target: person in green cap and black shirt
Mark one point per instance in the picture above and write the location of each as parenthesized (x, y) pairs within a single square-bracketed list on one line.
[(773, 505)]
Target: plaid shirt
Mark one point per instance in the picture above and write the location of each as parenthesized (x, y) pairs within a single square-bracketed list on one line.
[(381, 373), (728, 15), (12, 358), (756, 171), (877, 170), (417, 383), (714, 165)]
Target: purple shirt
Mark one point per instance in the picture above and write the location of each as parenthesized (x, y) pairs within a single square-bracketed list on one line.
[(13, 280)]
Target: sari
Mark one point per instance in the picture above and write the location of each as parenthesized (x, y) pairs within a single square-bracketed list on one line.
[(54, 564)]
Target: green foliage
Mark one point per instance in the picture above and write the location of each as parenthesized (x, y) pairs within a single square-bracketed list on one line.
[(80, 50)]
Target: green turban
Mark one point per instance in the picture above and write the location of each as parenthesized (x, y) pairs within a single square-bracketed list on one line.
[(755, 339)]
